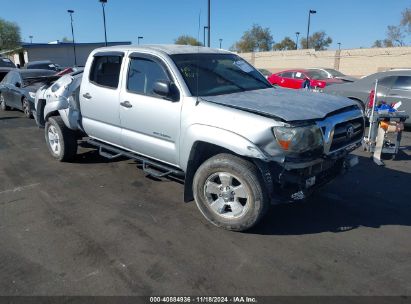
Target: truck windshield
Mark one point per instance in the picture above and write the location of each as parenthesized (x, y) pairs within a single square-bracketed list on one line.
[(217, 74)]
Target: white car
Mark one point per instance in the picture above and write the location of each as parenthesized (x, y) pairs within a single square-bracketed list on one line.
[(331, 73)]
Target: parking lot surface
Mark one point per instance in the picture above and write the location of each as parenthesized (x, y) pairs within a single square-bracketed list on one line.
[(99, 227)]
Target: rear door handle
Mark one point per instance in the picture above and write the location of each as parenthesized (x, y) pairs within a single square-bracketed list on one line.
[(126, 104), (87, 96)]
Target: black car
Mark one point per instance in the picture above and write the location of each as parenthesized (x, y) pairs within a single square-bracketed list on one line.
[(43, 64), (18, 89), (6, 63)]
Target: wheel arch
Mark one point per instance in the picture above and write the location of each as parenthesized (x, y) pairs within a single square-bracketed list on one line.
[(200, 152), (50, 114)]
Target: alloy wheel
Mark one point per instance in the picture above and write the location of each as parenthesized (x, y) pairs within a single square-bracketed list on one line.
[(227, 195), (54, 140)]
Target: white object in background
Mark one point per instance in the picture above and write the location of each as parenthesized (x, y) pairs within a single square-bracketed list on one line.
[(397, 105), (372, 108)]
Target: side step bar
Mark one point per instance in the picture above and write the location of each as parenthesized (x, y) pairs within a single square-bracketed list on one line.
[(150, 167)]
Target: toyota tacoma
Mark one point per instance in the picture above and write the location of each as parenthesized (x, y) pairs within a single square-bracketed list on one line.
[(208, 117)]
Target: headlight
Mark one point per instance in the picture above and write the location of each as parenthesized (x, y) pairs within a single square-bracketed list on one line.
[(298, 139), (32, 95)]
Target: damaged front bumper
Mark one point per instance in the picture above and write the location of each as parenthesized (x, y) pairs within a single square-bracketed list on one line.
[(295, 184)]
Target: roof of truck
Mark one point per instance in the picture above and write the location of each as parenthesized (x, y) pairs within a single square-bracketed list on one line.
[(169, 49)]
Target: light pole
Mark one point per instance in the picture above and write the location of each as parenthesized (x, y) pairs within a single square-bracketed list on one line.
[(309, 21), (103, 4), (31, 39), (209, 23), (297, 34), (138, 39), (339, 46), (72, 34), (204, 35), (221, 40)]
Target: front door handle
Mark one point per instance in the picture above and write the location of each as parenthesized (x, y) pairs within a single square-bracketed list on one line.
[(87, 96), (126, 104)]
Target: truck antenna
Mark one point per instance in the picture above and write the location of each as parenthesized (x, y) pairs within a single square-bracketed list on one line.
[(198, 52)]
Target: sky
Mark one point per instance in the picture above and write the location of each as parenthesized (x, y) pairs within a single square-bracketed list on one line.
[(354, 23)]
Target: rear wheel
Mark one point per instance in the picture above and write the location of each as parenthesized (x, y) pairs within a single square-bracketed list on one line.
[(26, 108), (229, 192), (3, 105), (61, 141)]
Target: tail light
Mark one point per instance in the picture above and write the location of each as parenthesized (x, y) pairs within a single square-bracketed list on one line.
[(371, 99), (318, 84)]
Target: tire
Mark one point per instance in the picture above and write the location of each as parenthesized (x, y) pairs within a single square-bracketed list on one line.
[(25, 104), (229, 192), (61, 141), (3, 105)]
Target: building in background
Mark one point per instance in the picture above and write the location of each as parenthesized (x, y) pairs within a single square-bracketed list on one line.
[(57, 52)]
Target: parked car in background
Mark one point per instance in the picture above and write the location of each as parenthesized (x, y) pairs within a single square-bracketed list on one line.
[(6, 63), (294, 79), (393, 87), (18, 89), (331, 73), (265, 72), (44, 65)]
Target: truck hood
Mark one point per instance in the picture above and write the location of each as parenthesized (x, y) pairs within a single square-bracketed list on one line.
[(288, 105)]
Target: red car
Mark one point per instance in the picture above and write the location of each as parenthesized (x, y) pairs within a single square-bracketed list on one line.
[(294, 79)]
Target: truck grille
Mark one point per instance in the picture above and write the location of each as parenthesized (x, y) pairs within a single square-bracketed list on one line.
[(346, 133)]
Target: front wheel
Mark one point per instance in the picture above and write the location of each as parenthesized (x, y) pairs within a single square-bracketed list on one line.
[(229, 192), (61, 141)]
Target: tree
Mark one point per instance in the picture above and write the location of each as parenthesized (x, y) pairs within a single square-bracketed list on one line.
[(383, 43), (187, 40), (286, 44), (395, 35), (406, 19), (378, 44), (65, 39), (319, 41), (9, 35), (256, 39)]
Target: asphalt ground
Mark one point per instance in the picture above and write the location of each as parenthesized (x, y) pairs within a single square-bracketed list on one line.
[(99, 227)]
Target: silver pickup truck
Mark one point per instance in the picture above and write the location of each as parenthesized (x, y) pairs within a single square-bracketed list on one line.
[(206, 116)]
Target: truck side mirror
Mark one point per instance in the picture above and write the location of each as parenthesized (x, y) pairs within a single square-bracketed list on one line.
[(162, 88)]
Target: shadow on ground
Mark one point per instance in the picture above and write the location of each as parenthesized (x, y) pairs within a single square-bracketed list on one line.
[(368, 196)]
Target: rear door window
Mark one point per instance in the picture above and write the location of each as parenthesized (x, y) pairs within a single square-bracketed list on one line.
[(299, 75), (105, 71), (402, 83), (287, 75)]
